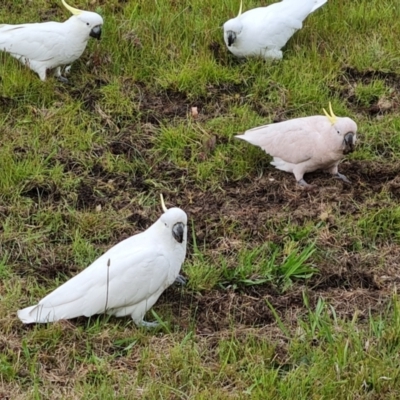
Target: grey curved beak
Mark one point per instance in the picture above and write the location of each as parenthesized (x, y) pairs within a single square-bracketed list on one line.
[(96, 32), (231, 38), (177, 232), (349, 143)]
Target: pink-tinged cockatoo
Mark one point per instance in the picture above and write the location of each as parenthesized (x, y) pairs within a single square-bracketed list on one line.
[(264, 31), (307, 144), (51, 45), (126, 280)]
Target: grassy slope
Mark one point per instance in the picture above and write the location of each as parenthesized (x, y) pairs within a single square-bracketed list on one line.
[(122, 132)]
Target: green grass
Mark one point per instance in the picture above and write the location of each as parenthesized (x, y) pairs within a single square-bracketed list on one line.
[(290, 294)]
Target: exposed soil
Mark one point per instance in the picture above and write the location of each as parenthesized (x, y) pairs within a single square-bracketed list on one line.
[(350, 284), (251, 204), (351, 77)]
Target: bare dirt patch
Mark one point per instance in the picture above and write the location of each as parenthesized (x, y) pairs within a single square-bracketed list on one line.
[(252, 205), (376, 105)]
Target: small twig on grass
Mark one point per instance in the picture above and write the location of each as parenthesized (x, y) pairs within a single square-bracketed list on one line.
[(108, 281)]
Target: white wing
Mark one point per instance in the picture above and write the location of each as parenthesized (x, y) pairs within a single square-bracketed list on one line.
[(133, 276), (277, 22), (293, 141), (39, 42)]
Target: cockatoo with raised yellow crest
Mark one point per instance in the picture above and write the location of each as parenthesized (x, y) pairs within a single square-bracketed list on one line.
[(306, 144), (51, 45), (263, 31), (126, 280)]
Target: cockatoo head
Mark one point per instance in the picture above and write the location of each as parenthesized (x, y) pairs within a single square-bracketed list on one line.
[(233, 28), (174, 223), (91, 21), (346, 128)]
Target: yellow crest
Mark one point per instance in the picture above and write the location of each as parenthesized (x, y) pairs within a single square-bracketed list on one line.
[(241, 7), (162, 203), (332, 118), (73, 10)]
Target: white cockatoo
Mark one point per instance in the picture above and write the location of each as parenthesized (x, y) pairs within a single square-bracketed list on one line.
[(307, 144), (264, 31), (126, 280), (51, 45)]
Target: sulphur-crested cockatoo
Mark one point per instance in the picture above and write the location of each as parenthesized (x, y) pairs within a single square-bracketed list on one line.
[(307, 144), (264, 31), (126, 280), (51, 45)]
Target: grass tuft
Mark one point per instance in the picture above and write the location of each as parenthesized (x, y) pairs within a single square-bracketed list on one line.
[(290, 294)]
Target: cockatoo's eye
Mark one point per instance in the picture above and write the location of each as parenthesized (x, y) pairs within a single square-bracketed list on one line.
[(87, 23)]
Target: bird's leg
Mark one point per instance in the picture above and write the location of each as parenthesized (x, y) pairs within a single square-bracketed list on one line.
[(62, 79), (42, 74), (67, 70), (335, 173), (181, 280), (272, 54), (342, 177), (298, 172), (148, 325), (57, 74), (304, 184)]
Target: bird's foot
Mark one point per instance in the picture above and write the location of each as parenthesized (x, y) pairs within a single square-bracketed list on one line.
[(342, 177), (181, 280), (62, 79), (305, 185), (149, 325)]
